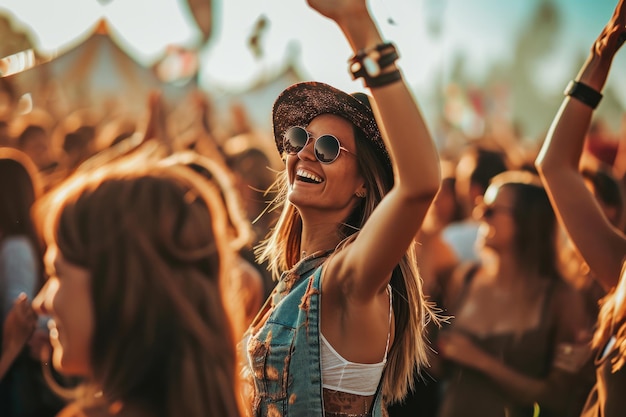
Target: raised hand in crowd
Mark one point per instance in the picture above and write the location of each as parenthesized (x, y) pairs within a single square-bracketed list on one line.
[(602, 246), (17, 329), (600, 243)]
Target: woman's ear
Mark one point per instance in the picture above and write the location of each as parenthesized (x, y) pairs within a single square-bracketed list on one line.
[(361, 192)]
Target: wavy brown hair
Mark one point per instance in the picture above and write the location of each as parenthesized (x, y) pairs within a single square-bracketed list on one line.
[(411, 312), (535, 240), (612, 321), (152, 239)]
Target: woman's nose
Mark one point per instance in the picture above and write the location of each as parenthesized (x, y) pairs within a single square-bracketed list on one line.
[(42, 301), (308, 152)]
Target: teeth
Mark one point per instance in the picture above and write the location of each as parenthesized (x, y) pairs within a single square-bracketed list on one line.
[(304, 174)]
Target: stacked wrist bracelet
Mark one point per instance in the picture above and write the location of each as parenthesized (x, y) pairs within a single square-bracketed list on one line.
[(370, 64), (583, 93)]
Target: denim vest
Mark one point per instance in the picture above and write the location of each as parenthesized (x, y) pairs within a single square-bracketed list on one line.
[(284, 347)]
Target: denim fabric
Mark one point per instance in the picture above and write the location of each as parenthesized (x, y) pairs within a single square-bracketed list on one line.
[(284, 352)]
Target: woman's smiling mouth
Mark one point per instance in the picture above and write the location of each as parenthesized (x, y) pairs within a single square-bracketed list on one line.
[(306, 176)]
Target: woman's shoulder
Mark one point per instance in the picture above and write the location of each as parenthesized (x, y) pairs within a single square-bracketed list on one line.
[(460, 278)]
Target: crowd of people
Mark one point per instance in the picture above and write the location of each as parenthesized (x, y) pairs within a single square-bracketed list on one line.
[(399, 279)]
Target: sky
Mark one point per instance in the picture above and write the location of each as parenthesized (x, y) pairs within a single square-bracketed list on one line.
[(483, 29), (428, 33)]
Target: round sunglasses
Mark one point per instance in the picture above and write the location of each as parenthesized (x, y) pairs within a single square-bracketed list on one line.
[(326, 148)]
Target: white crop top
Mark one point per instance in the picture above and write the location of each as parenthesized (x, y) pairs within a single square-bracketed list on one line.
[(339, 374)]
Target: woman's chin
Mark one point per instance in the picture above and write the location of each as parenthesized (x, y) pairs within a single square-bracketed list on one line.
[(64, 365)]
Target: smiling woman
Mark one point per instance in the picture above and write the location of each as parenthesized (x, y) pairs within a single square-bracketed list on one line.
[(343, 330)]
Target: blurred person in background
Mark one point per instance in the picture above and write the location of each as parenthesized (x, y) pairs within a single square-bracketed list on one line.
[(476, 166), (8, 99), (601, 244), (435, 256), (74, 141), (17, 329), (255, 175), (246, 168), (135, 255), (436, 261), (5, 136), (113, 131), (244, 287), (518, 340), (31, 133), (22, 390)]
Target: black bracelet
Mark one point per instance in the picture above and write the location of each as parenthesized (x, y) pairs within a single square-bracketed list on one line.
[(375, 49), (583, 93), (370, 63), (368, 68), (383, 79)]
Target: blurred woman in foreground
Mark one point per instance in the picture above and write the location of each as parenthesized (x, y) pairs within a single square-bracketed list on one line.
[(135, 259)]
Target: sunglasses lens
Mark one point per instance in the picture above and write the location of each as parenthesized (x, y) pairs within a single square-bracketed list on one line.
[(295, 139), (326, 149)]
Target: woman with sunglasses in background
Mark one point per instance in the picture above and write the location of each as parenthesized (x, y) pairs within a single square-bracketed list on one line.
[(342, 331), (602, 245), (518, 339)]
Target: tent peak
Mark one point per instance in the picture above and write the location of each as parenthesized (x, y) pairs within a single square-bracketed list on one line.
[(102, 28)]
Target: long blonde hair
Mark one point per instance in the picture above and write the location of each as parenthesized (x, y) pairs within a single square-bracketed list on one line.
[(281, 250), (152, 239), (613, 322)]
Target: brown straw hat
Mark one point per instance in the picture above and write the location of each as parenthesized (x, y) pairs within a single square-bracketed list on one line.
[(300, 103)]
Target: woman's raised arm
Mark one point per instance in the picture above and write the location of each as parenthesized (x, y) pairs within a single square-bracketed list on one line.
[(390, 230), (602, 246)]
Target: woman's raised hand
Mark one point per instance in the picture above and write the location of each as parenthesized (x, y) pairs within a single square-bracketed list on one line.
[(339, 9), (614, 33)]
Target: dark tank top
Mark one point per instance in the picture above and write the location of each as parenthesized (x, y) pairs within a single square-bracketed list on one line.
[(470, 393)]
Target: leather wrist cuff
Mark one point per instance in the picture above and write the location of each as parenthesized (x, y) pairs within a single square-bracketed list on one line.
[(583, 93), (384, 79), (370, 63)]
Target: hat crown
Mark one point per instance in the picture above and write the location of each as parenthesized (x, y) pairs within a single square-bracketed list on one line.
[(300, 103)]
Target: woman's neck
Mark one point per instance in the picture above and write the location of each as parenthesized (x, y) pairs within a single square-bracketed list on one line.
[(510, 272), (321, 237)]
